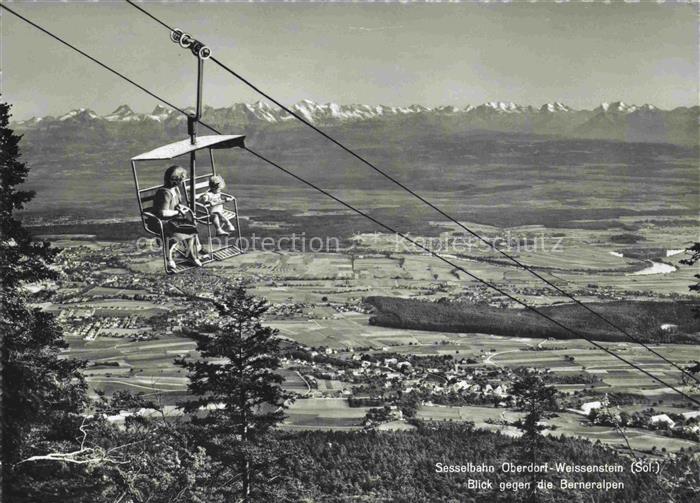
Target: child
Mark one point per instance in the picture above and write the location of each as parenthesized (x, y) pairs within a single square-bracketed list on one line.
[(216, 199)]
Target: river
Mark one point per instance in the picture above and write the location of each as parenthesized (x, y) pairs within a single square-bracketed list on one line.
[(654, 267)]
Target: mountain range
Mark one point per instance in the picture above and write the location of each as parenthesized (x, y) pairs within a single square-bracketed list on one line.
[(613, 121)]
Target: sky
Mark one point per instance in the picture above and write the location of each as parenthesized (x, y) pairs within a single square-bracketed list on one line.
[(579, 53)]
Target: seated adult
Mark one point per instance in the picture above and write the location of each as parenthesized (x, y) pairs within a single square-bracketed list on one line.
[(178, 225)]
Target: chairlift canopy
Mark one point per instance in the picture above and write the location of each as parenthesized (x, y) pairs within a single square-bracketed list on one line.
[(173, 150)]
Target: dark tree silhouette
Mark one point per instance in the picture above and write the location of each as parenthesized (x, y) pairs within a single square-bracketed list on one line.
[(536, 399), (42, 394), (238, 394), (21, 259)]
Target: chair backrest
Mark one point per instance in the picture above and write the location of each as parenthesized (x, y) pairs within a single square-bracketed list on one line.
[(201, 186), (149, 218), (146, 198)]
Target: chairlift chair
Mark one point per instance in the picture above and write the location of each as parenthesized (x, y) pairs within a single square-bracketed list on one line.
[(195, 184), (193, 187)]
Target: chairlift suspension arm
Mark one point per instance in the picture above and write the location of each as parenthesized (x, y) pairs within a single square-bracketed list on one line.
[(193, 131), (193, 163), (201, 52)]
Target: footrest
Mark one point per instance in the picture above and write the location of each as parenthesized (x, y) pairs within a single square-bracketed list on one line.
[(206, 258), (181, 266), (225, 253)]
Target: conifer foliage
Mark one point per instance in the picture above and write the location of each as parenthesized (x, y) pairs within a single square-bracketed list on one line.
[(238, 396), (21, 259), (42, 394)]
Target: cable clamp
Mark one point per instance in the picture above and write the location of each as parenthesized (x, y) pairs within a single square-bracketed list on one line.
[(187, 41)]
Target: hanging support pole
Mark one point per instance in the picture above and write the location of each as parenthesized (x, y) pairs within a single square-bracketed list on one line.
[(200, 82), (192, 123), (202, 52)]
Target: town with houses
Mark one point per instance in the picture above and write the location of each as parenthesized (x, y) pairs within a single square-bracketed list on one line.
[(130, 323)]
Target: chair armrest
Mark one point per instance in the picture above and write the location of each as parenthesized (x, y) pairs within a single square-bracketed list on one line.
[(202, 207), (151, 215), (148, 215)]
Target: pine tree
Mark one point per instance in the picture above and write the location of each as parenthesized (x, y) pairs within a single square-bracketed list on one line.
[(42, 394), (536, 399), (21, 258), (238, 394)]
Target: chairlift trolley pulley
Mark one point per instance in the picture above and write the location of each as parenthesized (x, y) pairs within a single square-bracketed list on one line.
[(186, 41)]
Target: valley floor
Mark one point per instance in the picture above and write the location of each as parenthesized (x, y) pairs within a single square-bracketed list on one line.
[(125, 317)]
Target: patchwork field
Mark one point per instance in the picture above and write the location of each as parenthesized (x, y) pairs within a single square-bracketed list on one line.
[(324, 413), (327, 292)]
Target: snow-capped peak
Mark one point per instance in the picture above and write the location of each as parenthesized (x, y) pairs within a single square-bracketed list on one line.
[(501, 106), (264, 105), (418, 108), (79, 113), (447, 109), (262, 110), (556, 106), (122, 113), (306, 109), (33, 121), (616, 107), (159, 113), (331, 112), (123, 110), (161, 110)]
